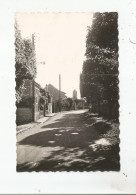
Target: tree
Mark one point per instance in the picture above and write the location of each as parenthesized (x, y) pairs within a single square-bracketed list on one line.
[(70, 103), (67, 103), (24, 62), (99, 79), (104, 32)]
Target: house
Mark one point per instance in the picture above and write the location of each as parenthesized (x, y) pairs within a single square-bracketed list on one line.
[(55, 92), (34, 103), (56, 95)]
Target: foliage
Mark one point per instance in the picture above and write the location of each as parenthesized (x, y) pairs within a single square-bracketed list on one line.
[(26, 102), (67, 103), (42, 99), (99, 78), (24, 62), (70, 103), (103, 34), (77, 101), (44, 92)]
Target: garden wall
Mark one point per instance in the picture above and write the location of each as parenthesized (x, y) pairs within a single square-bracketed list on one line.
[(23, 115)]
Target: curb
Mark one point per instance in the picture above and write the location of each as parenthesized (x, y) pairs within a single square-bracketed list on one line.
[(27, 128)]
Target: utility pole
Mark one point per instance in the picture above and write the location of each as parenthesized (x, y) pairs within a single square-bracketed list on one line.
[(59, 92), (33, 80)]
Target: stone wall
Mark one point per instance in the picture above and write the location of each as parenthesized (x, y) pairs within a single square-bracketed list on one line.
[(23, 115)]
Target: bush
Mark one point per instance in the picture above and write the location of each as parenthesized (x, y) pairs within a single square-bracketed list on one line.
[(26, 102), (102, 127)]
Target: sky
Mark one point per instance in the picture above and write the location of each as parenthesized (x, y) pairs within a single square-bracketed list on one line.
[(60, 42)]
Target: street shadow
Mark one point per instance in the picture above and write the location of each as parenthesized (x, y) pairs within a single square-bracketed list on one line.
[(63, 133), (63, 137), (77, 120), (77, 159), (76, 139)]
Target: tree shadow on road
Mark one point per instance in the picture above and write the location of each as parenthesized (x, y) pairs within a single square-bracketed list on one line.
[(76, 152), (76, 159), (63, 137), (65, 121)]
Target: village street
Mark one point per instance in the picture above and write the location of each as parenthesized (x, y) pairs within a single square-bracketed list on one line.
[(69, 141)]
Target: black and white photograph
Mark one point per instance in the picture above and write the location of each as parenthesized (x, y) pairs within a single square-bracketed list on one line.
[(68, 98), (67, 109)]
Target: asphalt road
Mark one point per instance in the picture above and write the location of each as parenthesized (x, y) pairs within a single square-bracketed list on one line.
[(63, 143)]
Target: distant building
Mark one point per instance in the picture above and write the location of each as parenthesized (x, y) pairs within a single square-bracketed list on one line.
[(56, 99), (74, 94), (54, 92)]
